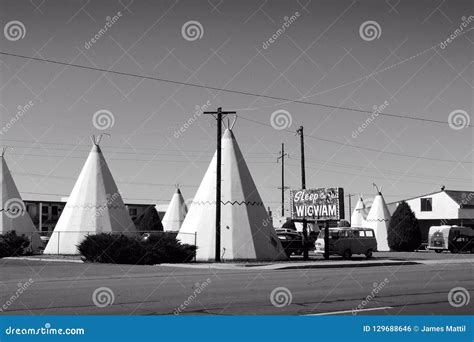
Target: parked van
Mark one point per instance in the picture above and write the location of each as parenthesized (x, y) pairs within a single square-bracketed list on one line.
[(455, 239), (348, 241)]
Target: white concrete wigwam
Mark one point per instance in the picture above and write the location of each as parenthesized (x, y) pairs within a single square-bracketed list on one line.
[(247, 231), (359, 214), (175, 213), (14, 215), (95, 206), (378, 219)]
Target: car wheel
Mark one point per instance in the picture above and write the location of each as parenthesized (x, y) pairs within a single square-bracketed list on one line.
[(438, 250), (368, 254), (347, 254)]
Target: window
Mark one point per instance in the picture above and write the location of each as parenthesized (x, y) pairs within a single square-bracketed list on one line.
[(369, 233), (427, 204), (45, 209), (132, 211), (54, 210)]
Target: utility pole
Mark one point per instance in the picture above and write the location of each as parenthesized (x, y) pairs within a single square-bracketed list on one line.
[(283, 187), (350, 205), (303, 186), (219, 115)]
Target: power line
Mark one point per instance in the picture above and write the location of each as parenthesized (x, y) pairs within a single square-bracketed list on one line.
[(365, 175), (250, 120), (239, 92), (326, 169), (134, 149), (361, 147)]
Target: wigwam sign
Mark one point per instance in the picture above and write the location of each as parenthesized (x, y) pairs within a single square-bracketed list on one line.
[(322, 203)]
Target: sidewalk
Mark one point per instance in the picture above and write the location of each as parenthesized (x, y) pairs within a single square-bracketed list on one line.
[(385, 259), (289, 265)]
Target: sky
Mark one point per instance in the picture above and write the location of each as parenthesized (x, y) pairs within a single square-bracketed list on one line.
[(404, 66)]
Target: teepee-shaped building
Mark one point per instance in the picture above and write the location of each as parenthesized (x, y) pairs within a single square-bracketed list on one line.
[(175, 213), (13, 210), (359, 214), (247, 232), (378, 219), (94, 206)]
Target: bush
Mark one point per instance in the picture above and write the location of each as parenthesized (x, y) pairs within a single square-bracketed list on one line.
[(121, 249), (13, 245), (404, 232)]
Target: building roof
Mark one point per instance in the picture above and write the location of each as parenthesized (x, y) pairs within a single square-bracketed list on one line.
[(464, 198), (175, 213), (247, 232), (12, 210), (94, 206)]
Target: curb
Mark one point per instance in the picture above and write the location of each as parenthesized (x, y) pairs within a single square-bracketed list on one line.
[(372, 264), (44, 259), (287, 266)]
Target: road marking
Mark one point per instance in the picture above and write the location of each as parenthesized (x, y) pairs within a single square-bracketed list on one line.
[(349, 311)]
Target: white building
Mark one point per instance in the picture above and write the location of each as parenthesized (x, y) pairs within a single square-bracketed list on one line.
[(444, 207)]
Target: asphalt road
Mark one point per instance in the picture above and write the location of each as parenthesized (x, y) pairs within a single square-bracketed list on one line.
[(67, 289)]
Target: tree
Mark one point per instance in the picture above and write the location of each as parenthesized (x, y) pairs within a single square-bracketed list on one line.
[(149, 221), (343, 223), (404, 232), (289, 224)]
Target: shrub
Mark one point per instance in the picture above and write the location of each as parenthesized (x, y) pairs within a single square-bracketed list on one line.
[(13, 245), (404, 230), (167, 249), (121, 249)]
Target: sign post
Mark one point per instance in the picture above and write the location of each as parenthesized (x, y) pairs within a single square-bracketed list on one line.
[(321, 204)]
